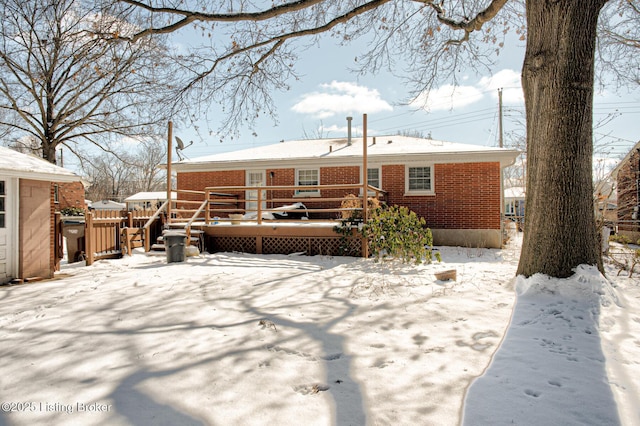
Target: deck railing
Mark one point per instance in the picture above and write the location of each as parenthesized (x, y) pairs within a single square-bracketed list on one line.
[(104, 229), (275, 199), (221, 202)]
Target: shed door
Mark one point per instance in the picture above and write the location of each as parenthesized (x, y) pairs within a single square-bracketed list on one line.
[(7, 229)]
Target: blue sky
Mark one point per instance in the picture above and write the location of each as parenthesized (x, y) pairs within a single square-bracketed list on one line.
[(328, 92)]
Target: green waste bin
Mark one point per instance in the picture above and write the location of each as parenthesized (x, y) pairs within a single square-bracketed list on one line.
[(174, 243)]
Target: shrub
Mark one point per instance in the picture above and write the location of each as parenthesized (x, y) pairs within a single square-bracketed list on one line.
[(398, 233), (627, 258), (352, 201), (622, 239), (72, 211)]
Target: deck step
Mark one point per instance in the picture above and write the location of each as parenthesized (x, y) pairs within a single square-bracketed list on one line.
[(160, 239), (193, 231)]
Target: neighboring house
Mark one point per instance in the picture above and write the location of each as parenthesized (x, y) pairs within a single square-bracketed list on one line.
[(455, 187), (627, 178), (107, 205), (606, 201), (514, 199), (147, 200), (69, 195), (27, 225)]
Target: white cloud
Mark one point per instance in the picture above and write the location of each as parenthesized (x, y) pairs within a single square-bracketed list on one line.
[(448, 97), (336, 130), (507, 80), (339, 97)]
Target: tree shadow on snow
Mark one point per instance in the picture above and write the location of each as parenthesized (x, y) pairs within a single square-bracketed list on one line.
[(550, 364)]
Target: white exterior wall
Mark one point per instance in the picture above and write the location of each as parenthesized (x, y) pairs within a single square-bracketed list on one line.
[(9, 233)]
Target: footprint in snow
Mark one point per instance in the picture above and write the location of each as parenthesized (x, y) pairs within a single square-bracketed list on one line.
[(532, 393), (311, 389)]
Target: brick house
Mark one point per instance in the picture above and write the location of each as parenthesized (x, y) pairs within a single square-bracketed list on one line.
[(456, 187), (69, 195), (627, 178), (27, 207)]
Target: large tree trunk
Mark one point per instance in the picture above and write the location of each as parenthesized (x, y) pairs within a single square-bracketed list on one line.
[(557, 78), (49, 152)]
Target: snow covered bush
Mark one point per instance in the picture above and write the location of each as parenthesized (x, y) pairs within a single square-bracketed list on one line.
[(398, 233)]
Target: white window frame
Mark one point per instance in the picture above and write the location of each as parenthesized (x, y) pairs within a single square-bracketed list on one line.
[(510, 208), (379, 169), (429, 191), (307, 192), (251, 195)]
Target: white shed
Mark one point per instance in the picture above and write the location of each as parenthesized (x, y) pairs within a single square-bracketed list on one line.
[(27, 237), (148, 200)]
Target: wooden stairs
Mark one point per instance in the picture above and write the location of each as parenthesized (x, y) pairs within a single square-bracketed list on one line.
[(196, 237)]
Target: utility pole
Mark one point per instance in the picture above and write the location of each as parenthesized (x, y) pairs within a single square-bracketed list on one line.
[(365, 186), (169, 136), (501, 144)]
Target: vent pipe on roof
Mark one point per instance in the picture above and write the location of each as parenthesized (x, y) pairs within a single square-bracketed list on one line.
[(349, 130), (374, 140)]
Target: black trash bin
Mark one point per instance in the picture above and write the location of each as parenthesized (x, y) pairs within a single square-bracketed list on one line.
[(174, 243)]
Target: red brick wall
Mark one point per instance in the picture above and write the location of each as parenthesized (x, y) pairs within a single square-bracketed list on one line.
[(627, 188), (70, 194), (198, 181), (280, 177), (54, 261), (338, 176), (467, 195)]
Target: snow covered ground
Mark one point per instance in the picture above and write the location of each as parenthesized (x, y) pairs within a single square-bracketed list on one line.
[(239, 339)]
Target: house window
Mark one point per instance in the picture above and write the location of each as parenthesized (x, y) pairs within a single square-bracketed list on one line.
[(3, 195), (419, 180), (56, 193), (511, 208), (373, 177), (307, 177)]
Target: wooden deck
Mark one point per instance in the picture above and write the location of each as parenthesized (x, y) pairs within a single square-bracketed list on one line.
[(211, 211), (206, 218), (282, 237)]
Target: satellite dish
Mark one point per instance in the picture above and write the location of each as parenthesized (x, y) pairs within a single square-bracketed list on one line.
[(180, 146)]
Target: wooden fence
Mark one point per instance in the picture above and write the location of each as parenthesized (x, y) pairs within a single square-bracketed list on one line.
[(109, 233)]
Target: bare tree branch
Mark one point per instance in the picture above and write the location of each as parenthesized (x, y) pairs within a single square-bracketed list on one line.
[(191, 16), (468, 25), (61, 82)]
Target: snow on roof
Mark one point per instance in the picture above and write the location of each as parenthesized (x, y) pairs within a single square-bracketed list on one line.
[(107, 205), (514, 192), (151, 196), (378, 147), (28, 166)]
